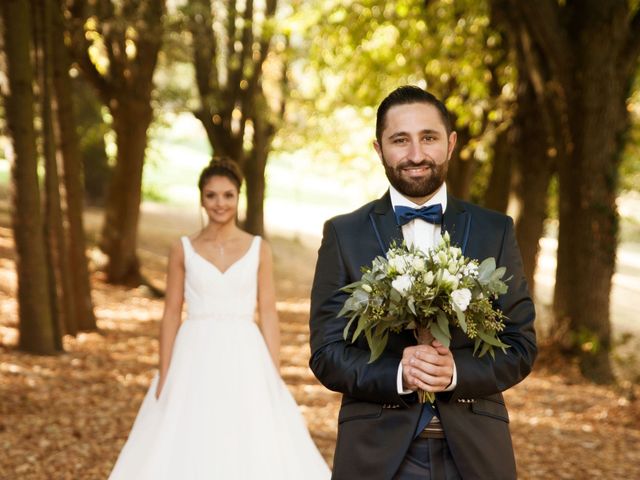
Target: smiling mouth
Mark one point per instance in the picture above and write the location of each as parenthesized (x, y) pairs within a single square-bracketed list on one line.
[(417, 170)]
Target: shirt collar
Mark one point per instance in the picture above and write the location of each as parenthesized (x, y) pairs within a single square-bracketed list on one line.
[(398, 200)]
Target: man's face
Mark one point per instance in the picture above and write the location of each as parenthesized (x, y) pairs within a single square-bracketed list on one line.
[(415, 150)]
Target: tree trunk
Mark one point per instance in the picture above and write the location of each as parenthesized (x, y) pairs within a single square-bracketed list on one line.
[(254, 173), (588, 56), (496, 197), (460, 174), (91, 130), (592, 186), (68, 141), (125, 87), (534, 167), (131, 119), (37, 332), (58, 254)]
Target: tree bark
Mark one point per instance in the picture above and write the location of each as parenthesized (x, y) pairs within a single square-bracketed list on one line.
[(590, 53), (131, 119), (37, 332), (496, 196), (534, 166), (58, 254), (68, 142), (461, 170)]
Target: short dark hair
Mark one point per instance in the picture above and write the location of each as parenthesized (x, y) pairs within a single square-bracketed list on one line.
[(403, 96), (221, 167)]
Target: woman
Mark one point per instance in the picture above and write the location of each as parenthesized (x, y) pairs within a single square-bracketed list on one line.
[(218, 408)]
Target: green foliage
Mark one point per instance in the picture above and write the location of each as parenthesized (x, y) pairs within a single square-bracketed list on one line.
[(630, 165), (361, 50)]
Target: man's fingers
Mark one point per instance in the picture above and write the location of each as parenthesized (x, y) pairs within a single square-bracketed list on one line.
[(437, 379)]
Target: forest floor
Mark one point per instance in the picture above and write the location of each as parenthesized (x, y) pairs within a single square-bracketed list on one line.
[(67, 416)]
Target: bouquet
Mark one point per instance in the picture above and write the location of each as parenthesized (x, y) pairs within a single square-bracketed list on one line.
[(428, 293)]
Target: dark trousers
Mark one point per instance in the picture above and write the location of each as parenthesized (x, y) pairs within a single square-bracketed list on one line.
[(428, 459)]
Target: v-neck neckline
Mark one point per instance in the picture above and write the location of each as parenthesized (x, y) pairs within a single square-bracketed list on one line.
[(217, 269)]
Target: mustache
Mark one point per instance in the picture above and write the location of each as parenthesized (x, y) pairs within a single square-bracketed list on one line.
[(410, 164)]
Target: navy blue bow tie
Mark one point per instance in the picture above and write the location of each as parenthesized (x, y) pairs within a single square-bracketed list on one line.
[(431, 214)]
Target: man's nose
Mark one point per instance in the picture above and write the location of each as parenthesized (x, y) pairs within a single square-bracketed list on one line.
[(415, 152)]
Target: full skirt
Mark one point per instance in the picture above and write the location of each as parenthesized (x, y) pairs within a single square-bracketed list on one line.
[(224, 413)]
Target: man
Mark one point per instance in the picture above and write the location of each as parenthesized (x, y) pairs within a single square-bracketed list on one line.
[(383, 432)]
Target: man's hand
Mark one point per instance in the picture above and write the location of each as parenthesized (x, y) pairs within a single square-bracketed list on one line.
[(427, 367)]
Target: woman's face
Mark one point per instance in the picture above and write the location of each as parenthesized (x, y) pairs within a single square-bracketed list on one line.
[(220, 199)]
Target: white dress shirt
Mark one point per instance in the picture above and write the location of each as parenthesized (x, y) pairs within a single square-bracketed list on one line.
[(423, 235)]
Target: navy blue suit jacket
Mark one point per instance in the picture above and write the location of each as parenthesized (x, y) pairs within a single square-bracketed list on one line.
[(376, 424)]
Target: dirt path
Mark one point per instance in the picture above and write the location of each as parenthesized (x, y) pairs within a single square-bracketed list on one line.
[(66, 417)]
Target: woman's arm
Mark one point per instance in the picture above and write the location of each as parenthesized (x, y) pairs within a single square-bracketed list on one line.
[(267, 304), (172, 314)]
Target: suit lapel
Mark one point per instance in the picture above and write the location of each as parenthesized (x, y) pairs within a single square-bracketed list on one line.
[(457, 221), (384, 223)]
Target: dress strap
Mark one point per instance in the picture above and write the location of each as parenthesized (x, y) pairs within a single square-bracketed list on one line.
[(186, 244), (254, 250)]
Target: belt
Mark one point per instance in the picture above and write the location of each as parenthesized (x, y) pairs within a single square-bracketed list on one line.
[(433, 429)]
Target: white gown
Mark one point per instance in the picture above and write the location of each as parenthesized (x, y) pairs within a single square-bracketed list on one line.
[(224, 412)]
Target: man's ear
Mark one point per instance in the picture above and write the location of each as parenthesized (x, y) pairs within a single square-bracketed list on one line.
[(378, 149), (453, 137)]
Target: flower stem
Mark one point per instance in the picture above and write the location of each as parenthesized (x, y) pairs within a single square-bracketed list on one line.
[(424, 396)]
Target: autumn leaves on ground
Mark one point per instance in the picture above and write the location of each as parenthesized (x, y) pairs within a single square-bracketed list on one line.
[(66, 417)]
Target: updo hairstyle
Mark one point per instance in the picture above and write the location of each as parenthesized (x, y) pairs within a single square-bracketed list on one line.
[(223, 167)]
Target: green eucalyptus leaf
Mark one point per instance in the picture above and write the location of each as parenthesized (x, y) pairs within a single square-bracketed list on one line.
[(439, 335), (345, 333), (462, 320), (377, 346), (443, 323), (491, 339), (486, 269)]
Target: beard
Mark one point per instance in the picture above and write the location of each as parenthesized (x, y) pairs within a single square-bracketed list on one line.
[(416, 187)]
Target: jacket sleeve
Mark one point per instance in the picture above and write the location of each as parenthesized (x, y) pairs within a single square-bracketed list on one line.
[(479, 377), (340, 365)]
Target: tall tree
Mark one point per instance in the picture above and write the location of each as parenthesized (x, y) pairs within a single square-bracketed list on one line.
[(591, 51), (116, 45), (239, 118), (530, 151), (37, 330), (72, 174), (58, 253)]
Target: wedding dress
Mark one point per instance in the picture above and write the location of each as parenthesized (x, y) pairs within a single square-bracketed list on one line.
[(224, 412)]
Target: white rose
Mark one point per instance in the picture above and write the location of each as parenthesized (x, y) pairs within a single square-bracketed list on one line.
[(402, 284), (397, 264), (442, 258), (461, 298), (428, 278)]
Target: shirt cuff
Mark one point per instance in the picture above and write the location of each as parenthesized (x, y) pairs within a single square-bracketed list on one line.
[(399, 385), (454, 379)]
